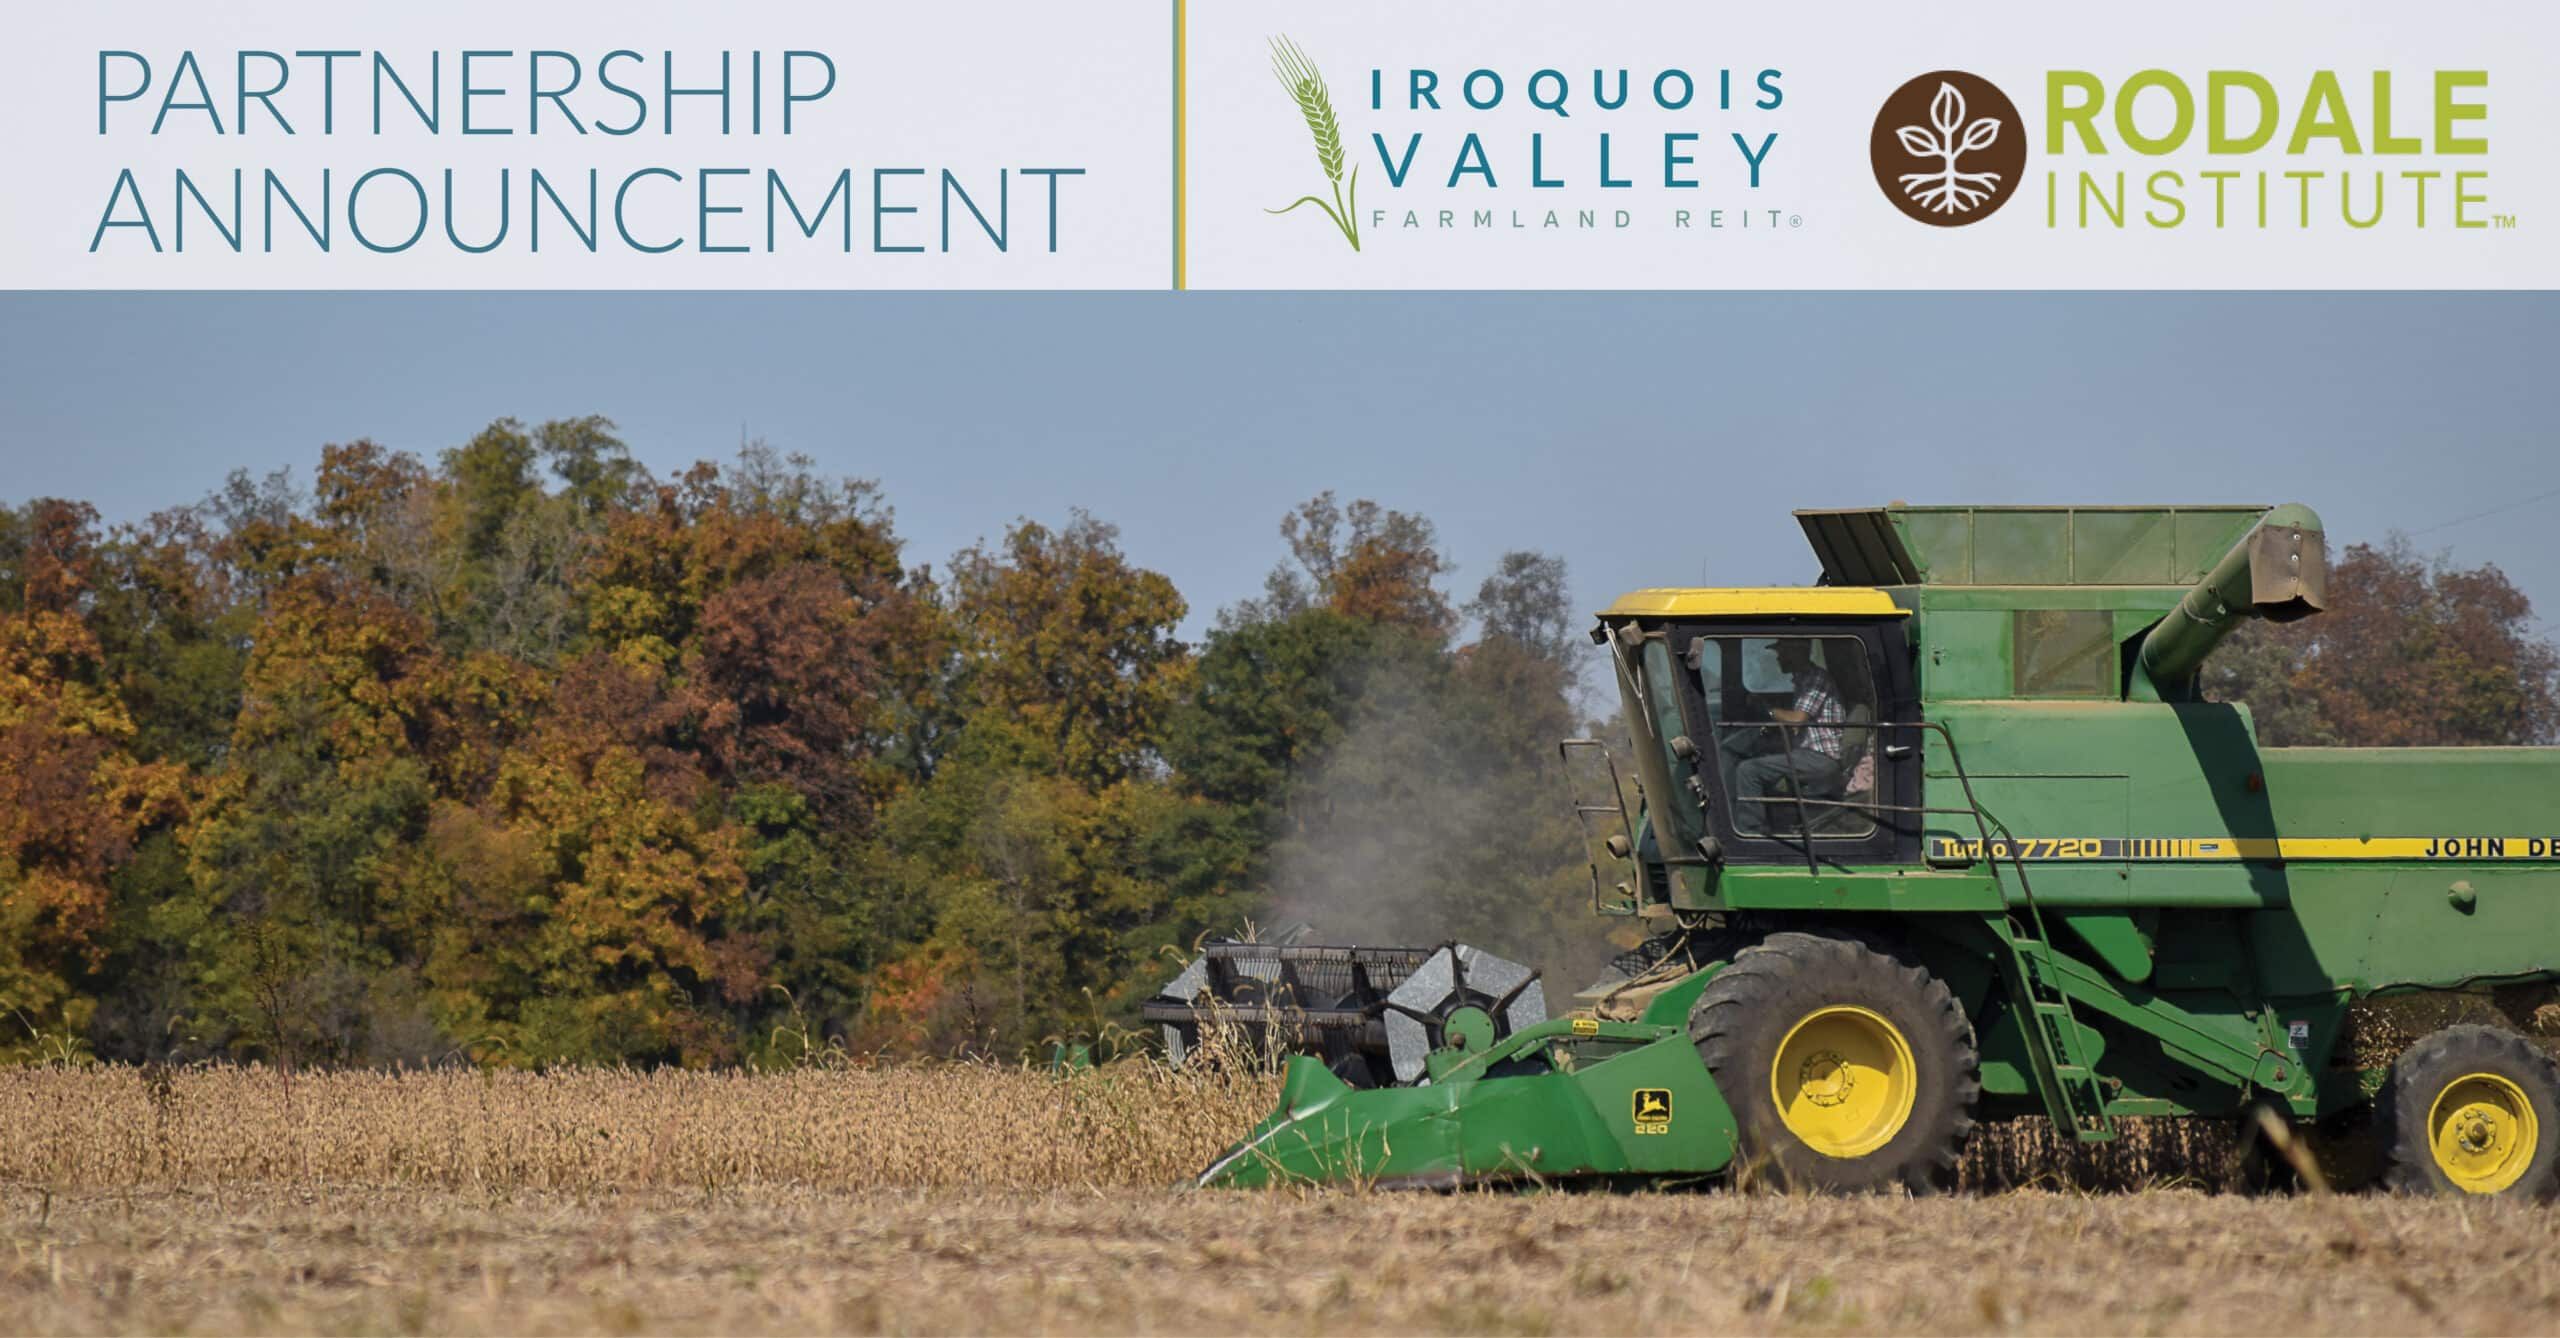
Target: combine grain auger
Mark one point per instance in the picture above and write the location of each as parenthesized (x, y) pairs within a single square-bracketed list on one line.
[(1954, 836)]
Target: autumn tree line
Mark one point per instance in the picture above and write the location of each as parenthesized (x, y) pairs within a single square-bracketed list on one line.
[(526, 756)]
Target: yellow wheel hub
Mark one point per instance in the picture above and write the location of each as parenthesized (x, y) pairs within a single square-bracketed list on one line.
[(2482, 1132), (1844, 1081)]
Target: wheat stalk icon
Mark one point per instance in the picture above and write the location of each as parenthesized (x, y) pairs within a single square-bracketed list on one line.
[(1306, 88)]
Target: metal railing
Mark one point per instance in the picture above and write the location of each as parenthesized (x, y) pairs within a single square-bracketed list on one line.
[(1583, 813)]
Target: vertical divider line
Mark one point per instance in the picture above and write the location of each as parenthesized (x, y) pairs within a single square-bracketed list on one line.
[(1181, 148)]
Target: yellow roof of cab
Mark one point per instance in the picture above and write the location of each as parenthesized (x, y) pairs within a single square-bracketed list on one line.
[(1789, 601)]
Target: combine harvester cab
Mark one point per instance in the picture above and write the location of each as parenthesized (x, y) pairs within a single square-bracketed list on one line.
[(1954, 836)]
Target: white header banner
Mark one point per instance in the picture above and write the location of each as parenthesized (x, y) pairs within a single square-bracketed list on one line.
[(1288, 144)]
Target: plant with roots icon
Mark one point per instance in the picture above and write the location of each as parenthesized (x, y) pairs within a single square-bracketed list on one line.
[(1946, 190)]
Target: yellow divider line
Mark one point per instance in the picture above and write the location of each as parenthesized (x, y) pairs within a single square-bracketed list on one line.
[(1181, 148)]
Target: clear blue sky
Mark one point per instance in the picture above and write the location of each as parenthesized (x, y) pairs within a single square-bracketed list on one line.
[(1648, 439)]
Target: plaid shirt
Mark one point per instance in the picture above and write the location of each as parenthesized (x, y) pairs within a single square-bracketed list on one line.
[(1821, 706)]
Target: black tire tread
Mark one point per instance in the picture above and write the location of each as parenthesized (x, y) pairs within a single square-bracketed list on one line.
[(1731, 1017), (2421, 1072)]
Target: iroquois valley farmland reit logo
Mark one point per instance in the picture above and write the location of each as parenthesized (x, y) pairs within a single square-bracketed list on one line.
[(1565, 151), (1948, 148)]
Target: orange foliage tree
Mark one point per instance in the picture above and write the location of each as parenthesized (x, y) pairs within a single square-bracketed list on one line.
[(2411, 651), (73, 798)]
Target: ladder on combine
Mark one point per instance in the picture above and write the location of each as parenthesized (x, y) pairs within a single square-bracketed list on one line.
[(2075, 1097)]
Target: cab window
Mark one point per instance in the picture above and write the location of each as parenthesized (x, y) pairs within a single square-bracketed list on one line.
[(1793, 719)]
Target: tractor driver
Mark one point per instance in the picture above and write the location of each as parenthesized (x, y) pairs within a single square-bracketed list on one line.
[(1809, 752)]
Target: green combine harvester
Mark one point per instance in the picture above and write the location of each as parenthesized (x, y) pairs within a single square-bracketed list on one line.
[(1952, 836)]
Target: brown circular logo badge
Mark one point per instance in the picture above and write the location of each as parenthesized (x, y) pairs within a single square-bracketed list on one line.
[(1948, 148)]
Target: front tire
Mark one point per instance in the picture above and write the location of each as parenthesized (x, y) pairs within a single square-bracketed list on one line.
[(1848, 1069), (2473, 1110)]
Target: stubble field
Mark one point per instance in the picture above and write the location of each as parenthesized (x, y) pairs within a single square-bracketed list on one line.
[(974, 1198)]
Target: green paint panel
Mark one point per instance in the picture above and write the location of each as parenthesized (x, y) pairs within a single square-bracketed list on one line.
[(1790, 888), (2153, 600), (2124, 548), (2426, 934), (2119, 944), (2323, 937), (1966, 656), (1941, 539), (2022, 548), (2356, 792), (1628, 1100)]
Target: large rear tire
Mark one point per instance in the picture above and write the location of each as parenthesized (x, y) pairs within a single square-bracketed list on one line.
[(1848, 1069), (2473, 1110)]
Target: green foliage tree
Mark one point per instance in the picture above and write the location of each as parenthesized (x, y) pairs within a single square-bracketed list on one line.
[(1073, 645), (1056, 855), (1272, 695), (297, 833)]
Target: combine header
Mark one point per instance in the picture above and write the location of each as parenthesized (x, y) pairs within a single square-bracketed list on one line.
[(1373, 1014), (1950, 836)]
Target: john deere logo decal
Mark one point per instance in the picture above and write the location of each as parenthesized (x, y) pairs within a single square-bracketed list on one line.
[(1653, 1110), (1948, 148), (1314, 101)]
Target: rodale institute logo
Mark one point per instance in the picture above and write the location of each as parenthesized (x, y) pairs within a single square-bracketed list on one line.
[(1948, 148), (1314, 102)]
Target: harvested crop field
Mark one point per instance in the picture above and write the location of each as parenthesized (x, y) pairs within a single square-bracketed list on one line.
[(951, 1199), (805, 1261)]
